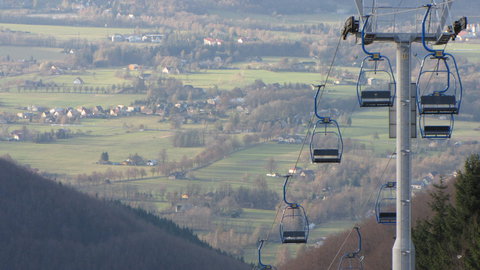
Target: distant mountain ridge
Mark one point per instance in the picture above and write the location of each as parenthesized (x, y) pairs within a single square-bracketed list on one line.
[(45, 225)]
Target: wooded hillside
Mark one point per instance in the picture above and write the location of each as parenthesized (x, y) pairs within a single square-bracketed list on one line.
[(45, 225)]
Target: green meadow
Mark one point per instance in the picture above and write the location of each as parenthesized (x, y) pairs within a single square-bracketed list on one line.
[(231, 78), (38, 53), (13, 100), (68, 32)]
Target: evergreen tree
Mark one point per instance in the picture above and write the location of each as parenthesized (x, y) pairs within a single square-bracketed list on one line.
[(104, 157), (451, 238), (472, 258), (467, 213), (468, 190), (433, 237)]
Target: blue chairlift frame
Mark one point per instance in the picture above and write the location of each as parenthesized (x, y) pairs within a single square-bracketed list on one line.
[(351, 260), (443, 101), (287, 235), (375, 98), (325, 126), (262, 266), (386, 216)]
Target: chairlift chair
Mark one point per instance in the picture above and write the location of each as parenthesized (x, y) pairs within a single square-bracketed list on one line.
[(352, 260), (433, 130), (260, 265), (439, 86), (385, 207), (376, 86), (294, 223), (326, 145)]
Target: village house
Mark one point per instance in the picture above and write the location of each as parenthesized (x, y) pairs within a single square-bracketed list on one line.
[(241, 40), (134, 39), (133, 67), (212, 42), (78, 81), (17, 135), (98, 111), (153, 38), (117, 38), (72, 113), (170, 70)]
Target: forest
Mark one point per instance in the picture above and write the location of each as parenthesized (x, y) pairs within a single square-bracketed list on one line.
[(46, 225)]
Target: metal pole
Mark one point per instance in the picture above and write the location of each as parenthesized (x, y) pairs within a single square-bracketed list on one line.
[(403, 252)]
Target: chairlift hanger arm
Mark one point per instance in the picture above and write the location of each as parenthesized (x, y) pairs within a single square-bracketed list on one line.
[(319, 89), (287, 177), (359, 241), (424, 22), (453, 31), (260, 246), (373, 55)]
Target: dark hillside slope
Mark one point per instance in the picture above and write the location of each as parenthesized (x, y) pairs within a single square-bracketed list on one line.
[(44, 225)]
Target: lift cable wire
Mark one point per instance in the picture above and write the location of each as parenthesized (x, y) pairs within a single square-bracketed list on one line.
[(363, 205), (341, 248), (322, 92), (310, 124), (323, 87)]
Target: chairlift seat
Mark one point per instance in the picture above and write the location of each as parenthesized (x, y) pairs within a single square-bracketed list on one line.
[(379, 98), (387, 217), (437, 131), (294, 237), (441, 104), (326, 156), (444, 38)]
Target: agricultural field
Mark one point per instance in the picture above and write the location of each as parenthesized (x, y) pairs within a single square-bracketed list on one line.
[(14, 100), (231, 78), (26, 53), (63, 33), (77, 155)]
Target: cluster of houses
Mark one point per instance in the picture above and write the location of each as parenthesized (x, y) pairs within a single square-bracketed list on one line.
[(208, 41), (138, 38), (470, 33), (289, 139), (51, 115)]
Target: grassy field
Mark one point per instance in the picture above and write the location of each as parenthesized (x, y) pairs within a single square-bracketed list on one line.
[(38, 53), (97, 77), (119, 137), (101, 78), (11, 101), (231, 78), (251, 162), (68, 32)]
